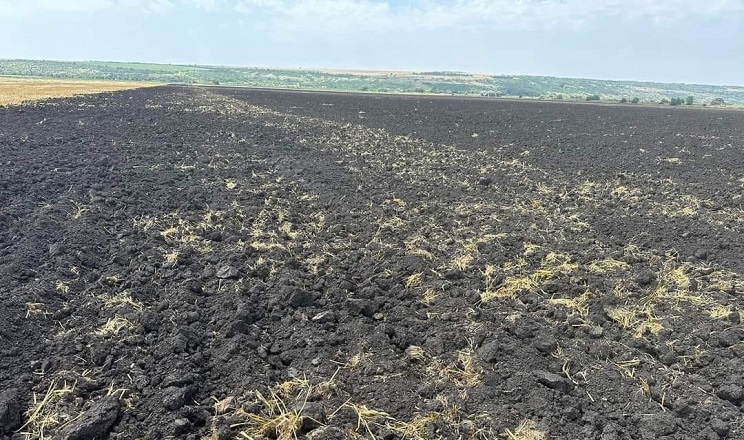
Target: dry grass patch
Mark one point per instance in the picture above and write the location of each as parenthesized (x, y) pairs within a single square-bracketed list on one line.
[(62, 286), (462, 262), (579, 304), (366, 416), (429, 296), (44, 413), (530, 249), (599, 267), (278, 419), (392, 223), (36, 309), (527, 430), (114, 326), (684, 206), (553, 265), (122, 299), (18, 90), (458, 424), (463, 371), (639, 321), (720, 312), (511, 287), (726, 281), (414, 280)]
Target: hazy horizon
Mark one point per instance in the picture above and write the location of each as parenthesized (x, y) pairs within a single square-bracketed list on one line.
[(346, 69), (667, 41)]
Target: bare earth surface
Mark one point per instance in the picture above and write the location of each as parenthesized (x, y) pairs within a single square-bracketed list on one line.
[(216, 264)]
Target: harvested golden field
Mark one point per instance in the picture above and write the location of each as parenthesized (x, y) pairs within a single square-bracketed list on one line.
[(17, 90)]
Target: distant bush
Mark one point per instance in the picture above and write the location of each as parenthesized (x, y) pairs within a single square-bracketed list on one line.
[(517, 90), (664, 101), (623, 101), (677, 101), (635, 100), (690, 99), (717, 101), (593, 98)]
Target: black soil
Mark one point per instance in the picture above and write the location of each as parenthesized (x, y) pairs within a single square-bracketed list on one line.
[(208, 263)]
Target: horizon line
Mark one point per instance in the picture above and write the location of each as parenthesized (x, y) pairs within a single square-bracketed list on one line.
[(371, 70)]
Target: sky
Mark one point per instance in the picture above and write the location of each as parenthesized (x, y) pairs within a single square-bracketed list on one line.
[(689, 41)]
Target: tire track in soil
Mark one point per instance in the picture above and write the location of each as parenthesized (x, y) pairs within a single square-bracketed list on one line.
[(240, 268)]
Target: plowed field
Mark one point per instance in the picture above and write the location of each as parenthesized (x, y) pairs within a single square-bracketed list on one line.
[(208, 263)]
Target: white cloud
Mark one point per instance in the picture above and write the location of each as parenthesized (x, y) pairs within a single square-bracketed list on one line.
[(149, 6), (17, 8), (207, 5), (339, 16), (348, 16), (21, 8), (71, 5)]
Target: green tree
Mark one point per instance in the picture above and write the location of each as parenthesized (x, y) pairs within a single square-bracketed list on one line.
[(717, 101), (635, 100), (593, 98), (623, 101), (690, 99), (677, 101)]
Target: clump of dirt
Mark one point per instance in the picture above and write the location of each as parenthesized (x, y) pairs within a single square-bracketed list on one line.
[(225, 263)]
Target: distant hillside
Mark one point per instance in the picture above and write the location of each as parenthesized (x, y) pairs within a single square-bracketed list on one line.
[(459, 83)]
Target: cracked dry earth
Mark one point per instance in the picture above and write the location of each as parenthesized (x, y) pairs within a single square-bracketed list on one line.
[(211, 263)]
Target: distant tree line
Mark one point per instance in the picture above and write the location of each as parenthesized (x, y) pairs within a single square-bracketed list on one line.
[(445, 82), (444, 73), (678, 101)]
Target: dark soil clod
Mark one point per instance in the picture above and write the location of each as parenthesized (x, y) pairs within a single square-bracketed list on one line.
[(94, 423), (10, 411), (554, 381)]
